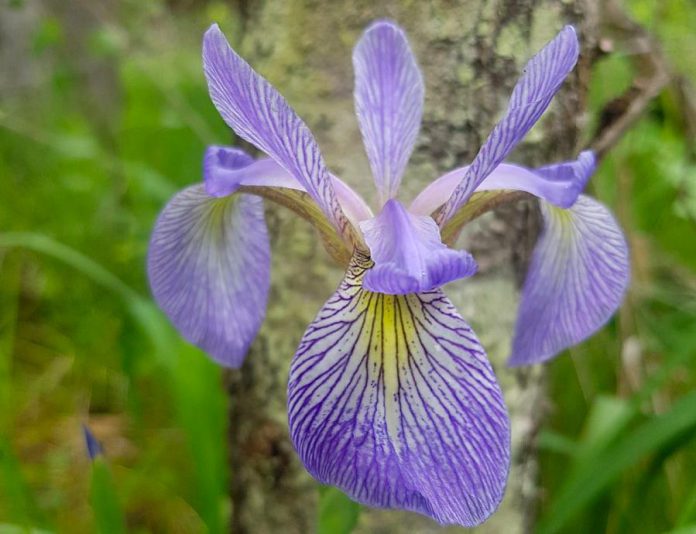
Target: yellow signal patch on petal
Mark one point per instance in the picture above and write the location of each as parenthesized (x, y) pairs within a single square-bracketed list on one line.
[(392, 399)]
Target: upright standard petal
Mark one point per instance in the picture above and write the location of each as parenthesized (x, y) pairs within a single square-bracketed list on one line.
[(388, 102), (258, 113), (392, 399), (408, 253), (559, 184), (576, 281), (542, 78), (209, 270)]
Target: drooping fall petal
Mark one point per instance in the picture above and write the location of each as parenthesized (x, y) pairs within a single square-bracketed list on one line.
[(209, 270), (392, 399), (576, 281)]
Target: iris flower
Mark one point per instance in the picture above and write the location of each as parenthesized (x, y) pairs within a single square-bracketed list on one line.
[(391, 397)]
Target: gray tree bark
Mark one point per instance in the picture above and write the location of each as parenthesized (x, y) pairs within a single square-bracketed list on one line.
[(471, 53)]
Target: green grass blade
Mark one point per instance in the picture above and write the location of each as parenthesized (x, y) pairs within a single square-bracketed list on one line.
[(688, 529), (13, 489), (46, 245), (337, 513), (7, 528), (605, 468), (200, 407), (108, 516)]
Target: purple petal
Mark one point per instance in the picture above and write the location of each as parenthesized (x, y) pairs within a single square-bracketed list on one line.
[(392, 399), (542, 78), (209, 269), (576, 281), (352, 204), (259, 114), (559, 184), (408, 253), (575, 173), (92, 445), (388, 102), (225, 171)]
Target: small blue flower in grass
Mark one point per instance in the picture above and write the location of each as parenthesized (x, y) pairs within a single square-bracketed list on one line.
[(390, 397), (93, 446)]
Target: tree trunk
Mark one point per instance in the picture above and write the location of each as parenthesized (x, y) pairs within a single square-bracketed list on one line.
[(471, 53)]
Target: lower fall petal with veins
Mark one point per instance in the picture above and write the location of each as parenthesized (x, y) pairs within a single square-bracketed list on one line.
[(392, 399)]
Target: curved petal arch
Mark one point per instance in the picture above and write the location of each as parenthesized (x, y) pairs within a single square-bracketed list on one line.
[(223, 176), (408, 253)]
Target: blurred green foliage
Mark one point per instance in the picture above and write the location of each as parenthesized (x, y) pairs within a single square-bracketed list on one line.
[(89, 155)]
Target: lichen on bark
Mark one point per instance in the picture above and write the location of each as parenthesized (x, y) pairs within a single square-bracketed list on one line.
[(471, 53)]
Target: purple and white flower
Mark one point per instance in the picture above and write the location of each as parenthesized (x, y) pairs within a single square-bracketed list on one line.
[(390, 397)]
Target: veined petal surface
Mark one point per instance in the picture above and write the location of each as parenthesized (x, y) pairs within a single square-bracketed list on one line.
[(408, 253), (392, 399), (388, 102), (209, 270), (258, 113), (542, 78), (559, 184), (576, 281)]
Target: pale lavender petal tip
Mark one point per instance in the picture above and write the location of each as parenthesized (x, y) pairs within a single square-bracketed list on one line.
[(388, 102), (219, 163), (559, 184), (392, 399), (408, 253), (571, 176), (209, 270), (225, 169), (577, 279)]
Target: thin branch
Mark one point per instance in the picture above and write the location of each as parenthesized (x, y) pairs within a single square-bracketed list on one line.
[(634, 103), (621, 113)]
